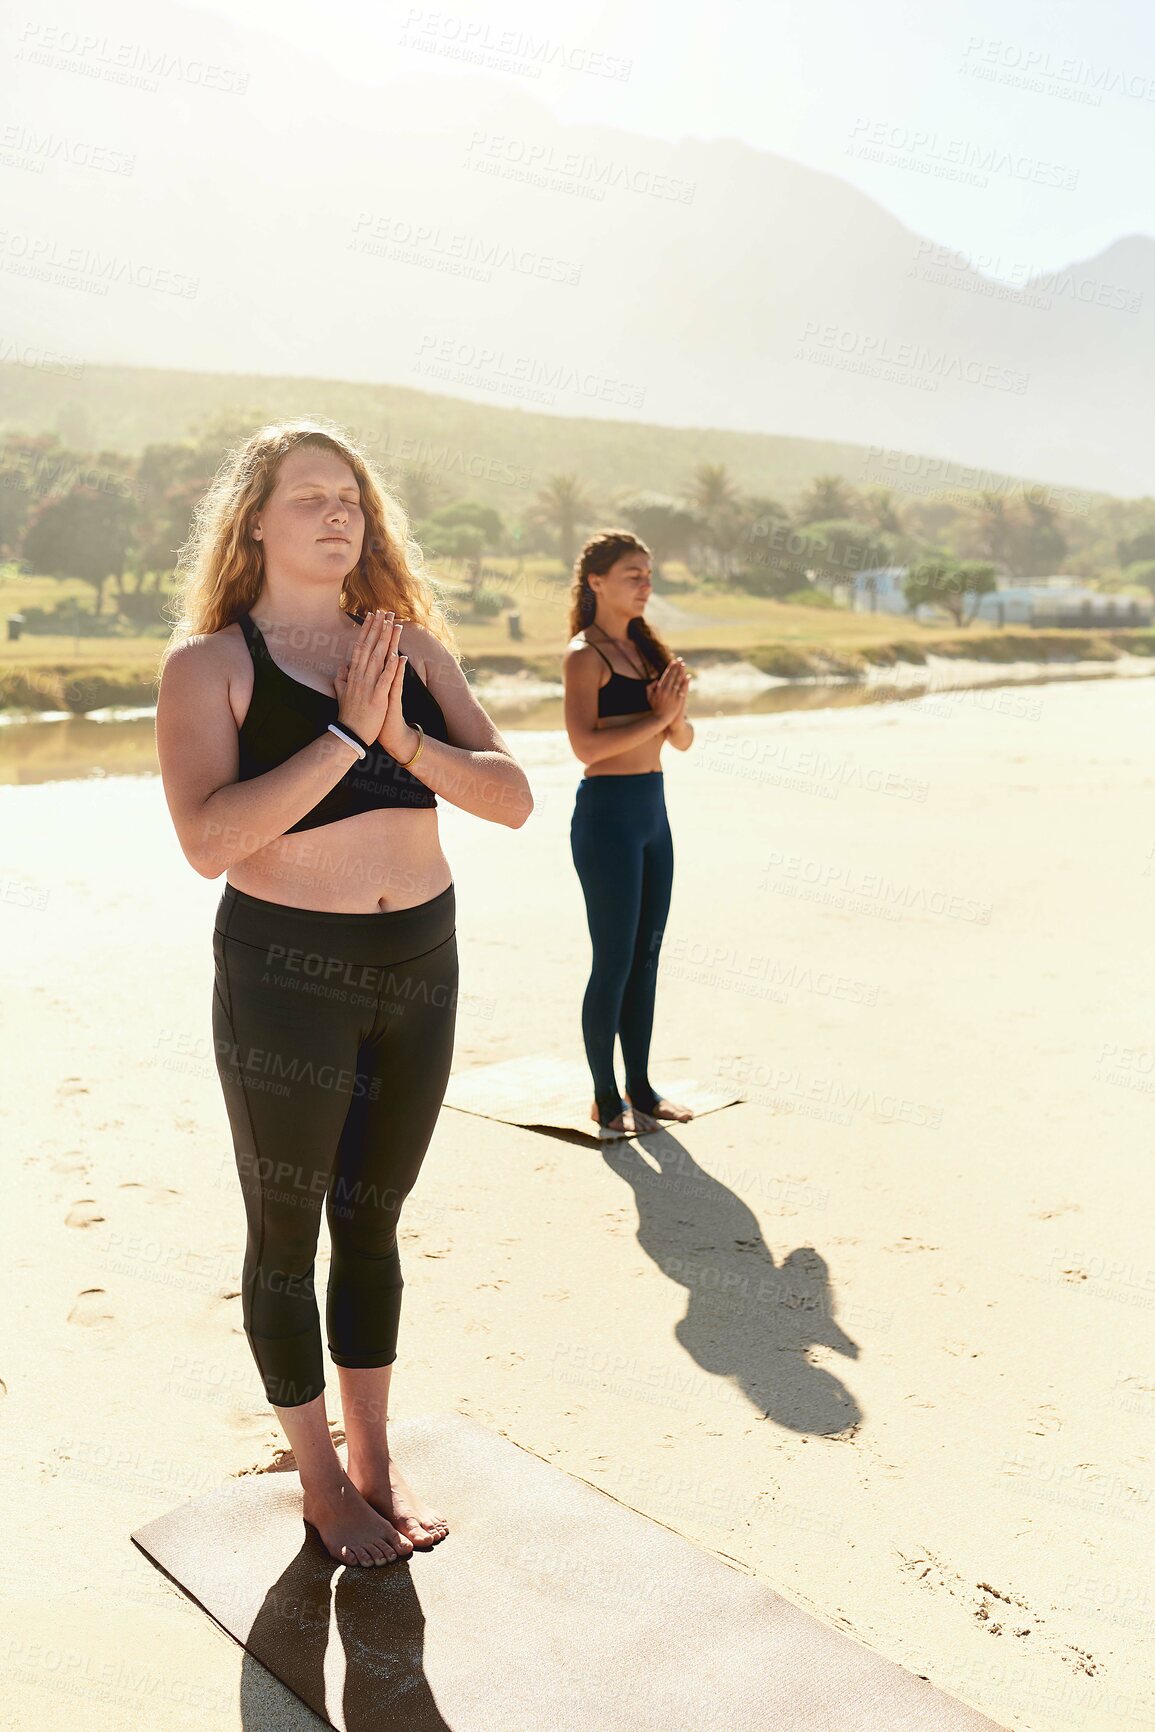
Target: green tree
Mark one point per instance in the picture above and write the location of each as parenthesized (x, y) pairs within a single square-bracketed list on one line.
[(1137, 548), (170, 478), (417, 489), (1036, 546), (464, 530), (986, 527), (668, 529), (834, 551), (471, 514), (85, 532), (30, 465), (949, 584), (1141, 571)]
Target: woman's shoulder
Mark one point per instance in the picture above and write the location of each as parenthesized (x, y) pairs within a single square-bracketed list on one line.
[(208, 655), (425, 649), (580, 652)]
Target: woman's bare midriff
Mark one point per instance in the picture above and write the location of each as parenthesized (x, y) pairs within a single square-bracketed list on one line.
[(637, 759), (371, 863)]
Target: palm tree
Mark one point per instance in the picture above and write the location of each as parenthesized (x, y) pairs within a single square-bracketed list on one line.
[(715, 499), (712, 490), (561, 504), (880, 510), (826, 499)]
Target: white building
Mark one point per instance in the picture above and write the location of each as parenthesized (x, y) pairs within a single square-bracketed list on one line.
[(1030, 601)]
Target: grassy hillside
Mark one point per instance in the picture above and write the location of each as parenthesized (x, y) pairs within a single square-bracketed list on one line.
[(496, 454)]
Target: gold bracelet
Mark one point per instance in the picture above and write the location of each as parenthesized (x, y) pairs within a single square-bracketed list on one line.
[(417, 753)]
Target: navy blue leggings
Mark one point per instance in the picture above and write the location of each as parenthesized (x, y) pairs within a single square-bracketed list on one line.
[(624, 854)]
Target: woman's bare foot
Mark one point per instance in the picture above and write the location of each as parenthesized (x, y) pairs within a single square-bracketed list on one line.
[(351, 1530), (629, 1121), (664, 1109), (383, 1486)]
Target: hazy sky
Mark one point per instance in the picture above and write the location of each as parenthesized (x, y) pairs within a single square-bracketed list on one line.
[(903, 100)]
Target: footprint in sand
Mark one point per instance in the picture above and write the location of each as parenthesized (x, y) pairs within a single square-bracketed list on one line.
[(92, 1309), (1045, 1421), (71, 1162), (995, 1610), (152, 1193), (85, 1213)]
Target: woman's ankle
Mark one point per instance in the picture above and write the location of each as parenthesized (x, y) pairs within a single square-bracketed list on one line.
[(609, 1106)]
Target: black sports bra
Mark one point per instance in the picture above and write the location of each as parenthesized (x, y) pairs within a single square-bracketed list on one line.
[(285, 715), (621, 695)]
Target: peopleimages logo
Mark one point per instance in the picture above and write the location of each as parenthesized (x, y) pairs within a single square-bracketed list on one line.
[(1075, 79), (129, 63), (23, 146), (527, 376), (1034, 284), (881, 356), (511, 50), (40, 255), (574, 171), (945, 478), (43, 360), (960, 159), (454, 250)]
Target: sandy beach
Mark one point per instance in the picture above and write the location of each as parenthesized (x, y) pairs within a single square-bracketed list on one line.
[(881, 1334)]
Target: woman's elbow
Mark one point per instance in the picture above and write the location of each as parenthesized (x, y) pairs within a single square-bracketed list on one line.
[(520, 808), (202, 860), (205, 860), (582, 746), (209, 846)]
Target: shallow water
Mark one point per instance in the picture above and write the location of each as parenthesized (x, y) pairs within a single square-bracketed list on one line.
[(57, 747)]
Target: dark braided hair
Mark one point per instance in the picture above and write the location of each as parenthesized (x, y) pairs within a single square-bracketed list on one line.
[(599, 553)]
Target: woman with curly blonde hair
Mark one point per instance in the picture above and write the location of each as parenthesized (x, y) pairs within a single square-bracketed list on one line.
[(625, 696), (302, 751)]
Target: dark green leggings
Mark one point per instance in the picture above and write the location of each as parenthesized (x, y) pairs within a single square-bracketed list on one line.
[(334, 1040), (623, 852)]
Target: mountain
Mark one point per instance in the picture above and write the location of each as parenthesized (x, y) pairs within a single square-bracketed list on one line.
[(455, 236)]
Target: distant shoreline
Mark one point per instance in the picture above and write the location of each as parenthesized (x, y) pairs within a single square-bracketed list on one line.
[(52, 687)]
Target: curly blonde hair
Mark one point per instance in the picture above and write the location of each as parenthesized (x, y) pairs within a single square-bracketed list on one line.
[(220, 567)]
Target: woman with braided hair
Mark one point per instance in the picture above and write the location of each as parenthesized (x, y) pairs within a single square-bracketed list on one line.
[(625, 695)]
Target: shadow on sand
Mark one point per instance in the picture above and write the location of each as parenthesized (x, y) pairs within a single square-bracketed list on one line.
[(747, 1318), (354, 1645)]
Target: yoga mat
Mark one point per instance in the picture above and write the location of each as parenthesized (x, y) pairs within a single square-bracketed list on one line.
[(550, 1607), (555, 1093)]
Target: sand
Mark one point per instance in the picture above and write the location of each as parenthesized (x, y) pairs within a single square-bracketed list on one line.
[(881, 1334)]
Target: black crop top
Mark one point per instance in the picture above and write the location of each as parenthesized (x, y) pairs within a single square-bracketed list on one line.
[(285, 715), (621, 695)]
